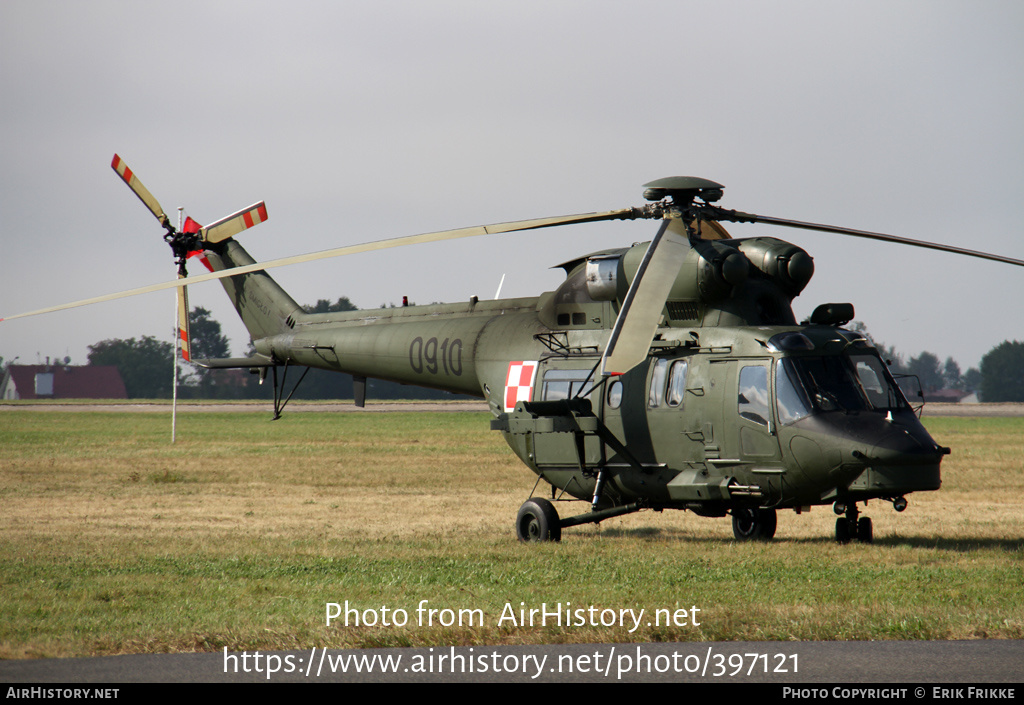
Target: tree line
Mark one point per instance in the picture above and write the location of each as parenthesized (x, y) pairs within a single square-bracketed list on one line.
[(998, 378)]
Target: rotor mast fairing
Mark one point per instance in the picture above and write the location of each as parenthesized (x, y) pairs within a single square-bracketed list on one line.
[(720, 282)]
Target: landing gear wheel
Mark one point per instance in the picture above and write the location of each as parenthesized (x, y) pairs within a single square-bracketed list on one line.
[(853, 526), (842, 530), (538, 521), (753, 523), (865, 534)]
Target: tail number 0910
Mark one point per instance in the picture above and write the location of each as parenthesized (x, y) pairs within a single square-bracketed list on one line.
[(434, 357)]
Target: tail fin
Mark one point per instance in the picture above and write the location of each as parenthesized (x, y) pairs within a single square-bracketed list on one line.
[(265, 308)]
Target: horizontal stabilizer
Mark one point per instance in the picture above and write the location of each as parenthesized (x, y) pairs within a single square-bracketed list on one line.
[(231, 363)]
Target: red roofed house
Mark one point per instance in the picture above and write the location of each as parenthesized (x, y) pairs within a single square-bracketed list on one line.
[(62, 382)]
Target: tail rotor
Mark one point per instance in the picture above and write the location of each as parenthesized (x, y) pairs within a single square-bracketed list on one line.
[(190, 240)]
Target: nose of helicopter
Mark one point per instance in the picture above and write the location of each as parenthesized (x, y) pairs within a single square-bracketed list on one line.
[(872, 455), (898, 444), (904, 460)]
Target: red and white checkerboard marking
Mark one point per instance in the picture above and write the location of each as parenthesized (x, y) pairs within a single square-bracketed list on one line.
[(519, 382)]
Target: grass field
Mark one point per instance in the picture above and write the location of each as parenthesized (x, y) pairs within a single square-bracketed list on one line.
[(112, 540)]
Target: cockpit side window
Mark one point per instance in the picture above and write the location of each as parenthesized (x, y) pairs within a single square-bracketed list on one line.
[(791, 401), (753, 396), (875, 383)]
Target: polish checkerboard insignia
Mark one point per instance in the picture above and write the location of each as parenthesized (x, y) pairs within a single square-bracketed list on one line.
[(519, 382)]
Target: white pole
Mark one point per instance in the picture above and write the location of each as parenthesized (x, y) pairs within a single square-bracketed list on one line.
[(177, 343)]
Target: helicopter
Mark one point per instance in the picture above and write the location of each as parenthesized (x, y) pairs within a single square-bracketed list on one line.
[(671, 374)]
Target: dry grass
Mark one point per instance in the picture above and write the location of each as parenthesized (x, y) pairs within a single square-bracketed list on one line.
[(113, 541)]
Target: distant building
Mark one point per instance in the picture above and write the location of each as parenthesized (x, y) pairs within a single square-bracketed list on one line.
[(62, 382), (950, 396)]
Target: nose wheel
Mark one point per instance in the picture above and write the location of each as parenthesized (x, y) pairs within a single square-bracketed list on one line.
[(851, 527)]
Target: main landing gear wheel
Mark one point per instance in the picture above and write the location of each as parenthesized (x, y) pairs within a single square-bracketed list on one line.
[(842, 530), (753, 523), (865, 532), (538, 521), (849, 529)]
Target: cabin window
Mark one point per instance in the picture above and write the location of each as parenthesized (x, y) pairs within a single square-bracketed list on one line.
[(566, 384), (657, 392), (753, 396), (677, 383), (615, 395), (576, 318)]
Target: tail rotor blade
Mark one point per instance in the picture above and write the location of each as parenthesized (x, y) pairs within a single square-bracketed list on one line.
[(234, 223), (184, 341), (128, 176)]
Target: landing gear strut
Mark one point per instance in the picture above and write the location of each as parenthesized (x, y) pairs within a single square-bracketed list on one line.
[(538, 520), (849, 527)]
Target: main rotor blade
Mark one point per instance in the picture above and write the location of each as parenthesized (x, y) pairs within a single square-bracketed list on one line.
[(767, 220), (640, 314), (622, 214), (128, 176)]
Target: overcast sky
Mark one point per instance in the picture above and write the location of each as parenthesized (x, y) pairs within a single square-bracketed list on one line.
[(358, 121)]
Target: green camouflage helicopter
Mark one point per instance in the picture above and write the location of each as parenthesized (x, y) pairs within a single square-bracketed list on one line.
[(667, 375)]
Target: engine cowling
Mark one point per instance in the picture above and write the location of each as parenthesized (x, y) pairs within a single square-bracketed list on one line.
[(752, 281)]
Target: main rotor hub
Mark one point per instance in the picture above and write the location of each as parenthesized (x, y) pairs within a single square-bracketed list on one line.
[(683, 190)]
